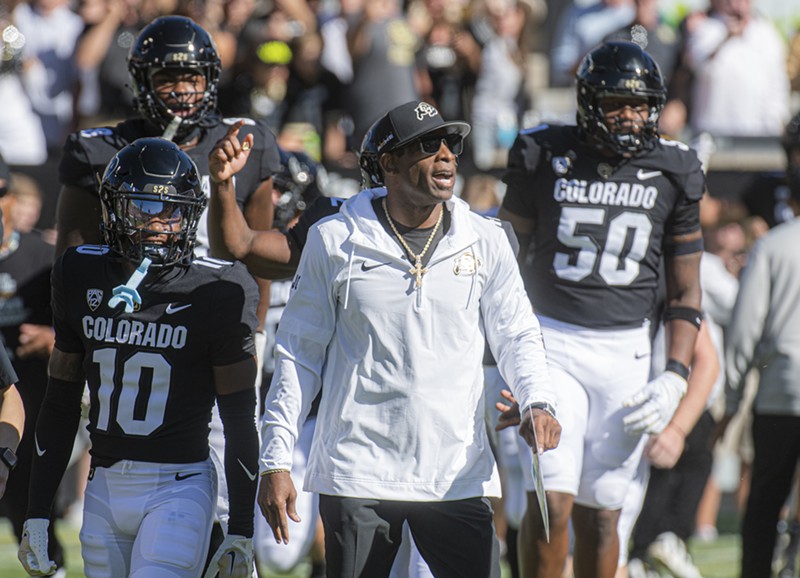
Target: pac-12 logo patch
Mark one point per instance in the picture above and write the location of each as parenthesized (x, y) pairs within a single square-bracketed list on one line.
[(94, 297), (561, 165)]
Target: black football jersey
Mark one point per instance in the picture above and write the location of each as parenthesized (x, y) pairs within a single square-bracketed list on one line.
[(320, 208), (149, 372), (87, 152), (600, 223)]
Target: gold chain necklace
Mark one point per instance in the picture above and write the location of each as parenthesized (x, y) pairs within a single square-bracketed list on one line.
[(417, 269)]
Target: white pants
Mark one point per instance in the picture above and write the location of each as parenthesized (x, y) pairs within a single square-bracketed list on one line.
[(593, 372), (148, 520)]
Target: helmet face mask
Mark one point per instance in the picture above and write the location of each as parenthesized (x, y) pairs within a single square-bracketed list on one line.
[(298, 183), (151, 202), (620, 72), (171, 46)]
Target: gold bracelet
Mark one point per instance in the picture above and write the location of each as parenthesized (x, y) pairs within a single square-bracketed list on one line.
[(275, 471)]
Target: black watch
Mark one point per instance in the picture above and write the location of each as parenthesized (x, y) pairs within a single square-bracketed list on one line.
[(545, 407), (9, 458)]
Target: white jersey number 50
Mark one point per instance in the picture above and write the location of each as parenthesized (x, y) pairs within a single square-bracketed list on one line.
[(613, 268)]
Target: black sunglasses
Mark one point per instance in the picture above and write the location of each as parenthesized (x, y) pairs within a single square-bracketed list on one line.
[(430, 144)]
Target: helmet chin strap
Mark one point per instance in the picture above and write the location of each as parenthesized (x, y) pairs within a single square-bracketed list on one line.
[(172, 127)]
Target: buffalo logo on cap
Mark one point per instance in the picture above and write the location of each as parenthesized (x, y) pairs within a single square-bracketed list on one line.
[(424, 109)]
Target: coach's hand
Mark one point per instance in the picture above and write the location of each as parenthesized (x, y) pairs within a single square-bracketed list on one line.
[(548, 430), (658, 400), (276, 498), (33, 548)]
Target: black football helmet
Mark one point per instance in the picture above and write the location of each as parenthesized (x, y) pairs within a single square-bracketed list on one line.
[(300, 181), (151, 180), (371, 171), (623, 70), (174, 42)]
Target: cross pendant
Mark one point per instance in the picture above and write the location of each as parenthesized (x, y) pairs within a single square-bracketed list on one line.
[(418, 272)]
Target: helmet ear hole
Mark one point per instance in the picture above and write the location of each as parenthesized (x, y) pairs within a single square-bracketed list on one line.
[(173, 42), (622, 70), (152, 202)]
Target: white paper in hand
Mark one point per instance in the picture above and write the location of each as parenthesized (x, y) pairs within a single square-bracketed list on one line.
[(536, 470)]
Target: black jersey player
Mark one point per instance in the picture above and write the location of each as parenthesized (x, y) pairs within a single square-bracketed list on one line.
[(596, 207), (174, 69), (158, 336)]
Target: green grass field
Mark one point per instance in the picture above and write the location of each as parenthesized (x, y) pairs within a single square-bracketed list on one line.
[(717, 559)]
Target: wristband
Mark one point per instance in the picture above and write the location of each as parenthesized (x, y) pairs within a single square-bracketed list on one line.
[(676, 366)]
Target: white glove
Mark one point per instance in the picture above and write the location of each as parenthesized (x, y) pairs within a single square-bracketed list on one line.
[(33, 548), (233, 558), (658, 400)]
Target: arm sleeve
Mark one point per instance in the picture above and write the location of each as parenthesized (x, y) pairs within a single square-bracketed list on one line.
[(56, 427), (237, 412), (302, 340), (747, 325), (513, 331)]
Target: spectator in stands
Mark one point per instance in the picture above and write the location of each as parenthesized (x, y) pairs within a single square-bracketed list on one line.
[(51, 31), (579, 30), (737, 58), (649, 29), (382, 46), (21, 134), (500, 99)]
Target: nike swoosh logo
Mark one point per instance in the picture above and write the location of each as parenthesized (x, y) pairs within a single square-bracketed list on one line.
[(175, 308), (638, 355), (39, 451), (643, 175), (180, 477), (365, 267), (250, 475)]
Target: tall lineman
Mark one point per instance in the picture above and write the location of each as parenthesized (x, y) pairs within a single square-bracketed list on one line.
[(596, 207)]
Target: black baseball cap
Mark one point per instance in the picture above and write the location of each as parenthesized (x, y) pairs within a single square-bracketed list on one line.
[(408, 122)]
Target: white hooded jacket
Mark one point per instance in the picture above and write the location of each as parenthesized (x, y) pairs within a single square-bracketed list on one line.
[(402, 410)]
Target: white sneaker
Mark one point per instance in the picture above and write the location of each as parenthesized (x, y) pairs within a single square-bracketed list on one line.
[(670, 551)]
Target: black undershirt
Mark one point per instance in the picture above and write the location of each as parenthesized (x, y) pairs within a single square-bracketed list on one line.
[(415, 238)]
